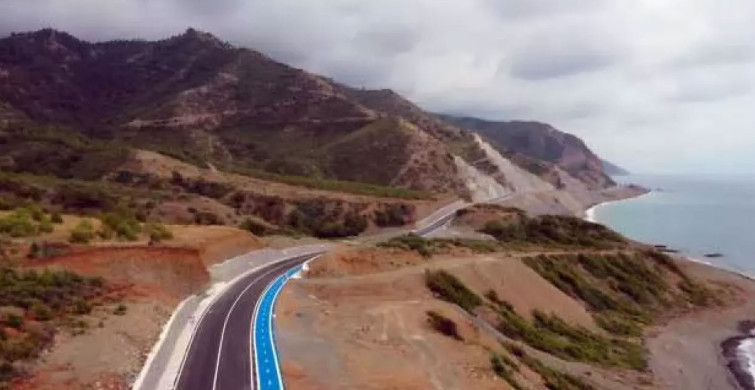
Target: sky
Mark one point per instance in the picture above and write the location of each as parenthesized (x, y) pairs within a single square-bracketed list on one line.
[(657, 86)]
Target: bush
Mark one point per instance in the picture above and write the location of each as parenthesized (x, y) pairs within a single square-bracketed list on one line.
[(45, 225), (556, 380), (505, 368), (554, 230), (56, 218), (550, 334), (83, 233), (449, 288), (41, 311), (120, 310), (123, 226), (158, 232), (393, 215), (428, 247), (18, 224), (443, 324), (254, 227)]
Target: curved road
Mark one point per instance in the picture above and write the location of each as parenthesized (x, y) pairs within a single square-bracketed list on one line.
[(220, 352), (220, 355)]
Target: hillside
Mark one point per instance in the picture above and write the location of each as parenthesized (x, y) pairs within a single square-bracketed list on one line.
[(203, 101), (196, 98), (541, 303), (537, 141)]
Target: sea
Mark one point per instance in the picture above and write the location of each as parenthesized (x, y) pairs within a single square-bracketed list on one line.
[(697, 216)]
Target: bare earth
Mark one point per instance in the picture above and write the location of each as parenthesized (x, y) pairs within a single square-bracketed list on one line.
[(686, 352), (356, 322)]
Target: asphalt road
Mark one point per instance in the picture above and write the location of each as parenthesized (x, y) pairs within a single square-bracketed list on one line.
[(220, 354)]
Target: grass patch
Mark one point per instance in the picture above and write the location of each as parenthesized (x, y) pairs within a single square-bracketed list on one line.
[(550, 334), (428, 247), (553, 230), (350, 187), (505, 368), (449, 288)]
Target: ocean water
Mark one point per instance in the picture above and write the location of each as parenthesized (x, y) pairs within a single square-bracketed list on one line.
[(696, 215)]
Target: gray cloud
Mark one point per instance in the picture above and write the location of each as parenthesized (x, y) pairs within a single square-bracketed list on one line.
[(621, 74)]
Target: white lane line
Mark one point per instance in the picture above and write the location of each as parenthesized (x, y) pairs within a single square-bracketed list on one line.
[(228, 316)]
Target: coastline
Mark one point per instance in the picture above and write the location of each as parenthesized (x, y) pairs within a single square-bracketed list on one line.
[(736, 347), (590, 216)]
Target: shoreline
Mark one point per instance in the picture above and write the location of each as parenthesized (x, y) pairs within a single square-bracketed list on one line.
[(734, 351), (590, 216), (738, 352)]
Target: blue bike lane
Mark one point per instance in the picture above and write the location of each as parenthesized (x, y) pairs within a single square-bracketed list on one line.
[(266, 360)]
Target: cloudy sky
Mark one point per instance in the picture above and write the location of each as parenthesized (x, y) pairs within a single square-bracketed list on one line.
[(654, 85)]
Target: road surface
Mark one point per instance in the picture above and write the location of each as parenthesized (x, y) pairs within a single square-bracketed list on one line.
[(220, 353)]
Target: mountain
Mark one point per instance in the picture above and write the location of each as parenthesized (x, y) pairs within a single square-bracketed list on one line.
[(613, 169), (540, 141), (74, 109)]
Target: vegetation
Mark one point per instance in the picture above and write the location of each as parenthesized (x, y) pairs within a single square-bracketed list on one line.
[(42, 296), (122, 226), (505, 368), (625, 291), (157, 232), (350, 187), (443, 324), (449, 288), (554, 379), (82, 233), (550, 334), (314, 218), (428, 247), (553, 230), (392, 215), (26, 221), (255, 227)]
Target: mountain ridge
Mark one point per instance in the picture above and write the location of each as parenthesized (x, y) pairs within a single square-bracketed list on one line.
[(204, 101)]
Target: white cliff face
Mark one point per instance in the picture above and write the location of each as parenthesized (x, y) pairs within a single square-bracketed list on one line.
[(518, 179), (481, 186)]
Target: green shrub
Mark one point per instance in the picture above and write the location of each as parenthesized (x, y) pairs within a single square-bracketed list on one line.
[(18, 224), (443, 324), (553, 230), (82, 233), (41, 311), (505, 368), (125, 227), (45, 225), (550, 334), (428, 247), (556, 380), (158, 232), (449, 288), (618, 323)]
